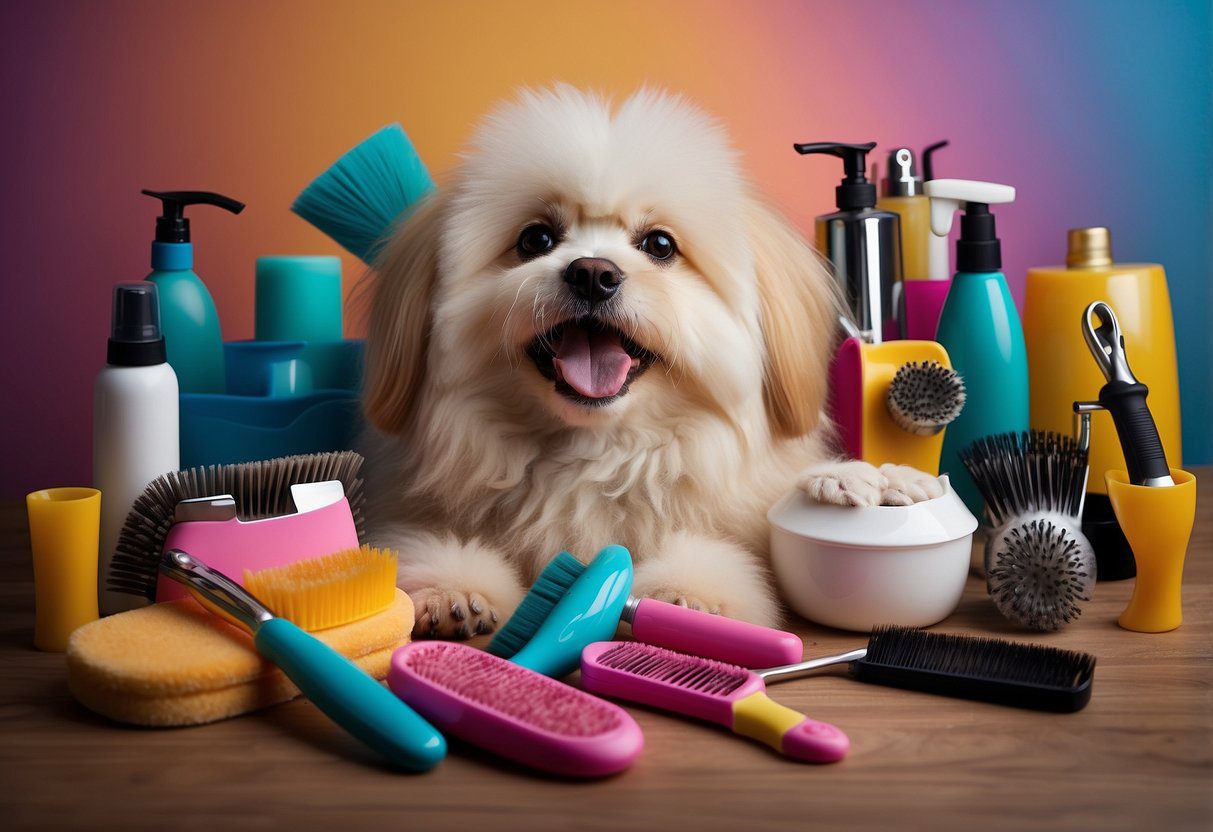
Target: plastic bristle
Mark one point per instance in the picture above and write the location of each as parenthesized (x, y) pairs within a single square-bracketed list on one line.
[(360, 199), (510, 690), (261, 489), (983, 659), (551, 585), (678, 669), (1039, 574), (328, 591), (1019, 473), (925, 396)]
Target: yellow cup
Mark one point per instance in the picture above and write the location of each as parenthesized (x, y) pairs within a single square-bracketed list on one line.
[(63, 530), (1157, 523)]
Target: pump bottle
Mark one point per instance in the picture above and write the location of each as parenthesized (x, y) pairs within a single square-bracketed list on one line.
[(135, 434), (863, 244), (979, 326), (188, 317)]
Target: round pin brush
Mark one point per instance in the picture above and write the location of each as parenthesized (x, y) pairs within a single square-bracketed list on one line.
[(925, 397), (1039, 566)]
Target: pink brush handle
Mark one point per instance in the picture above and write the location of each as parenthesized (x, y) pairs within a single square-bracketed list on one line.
[(816, 742), (713, 636)]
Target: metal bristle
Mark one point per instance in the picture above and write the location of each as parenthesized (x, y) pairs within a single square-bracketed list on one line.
[(1039, 573), (925, 397), (1022, 473), (687, 672), (261, 489)]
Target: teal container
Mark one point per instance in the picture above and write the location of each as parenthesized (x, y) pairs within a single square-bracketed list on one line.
[(188, 318), (298, 299), (980, 328)]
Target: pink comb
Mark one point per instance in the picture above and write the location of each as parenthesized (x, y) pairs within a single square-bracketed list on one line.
[(709, 690), (514, 712)]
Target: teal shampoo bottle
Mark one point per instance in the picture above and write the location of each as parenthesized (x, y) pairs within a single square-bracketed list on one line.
[(188, 318), (979, 327)]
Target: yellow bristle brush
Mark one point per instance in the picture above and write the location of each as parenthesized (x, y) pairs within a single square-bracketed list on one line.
[(328, 591), (177, 664)]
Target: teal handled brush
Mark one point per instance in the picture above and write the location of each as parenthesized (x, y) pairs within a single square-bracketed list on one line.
[(572, 605), (360, 199), (338, 687)]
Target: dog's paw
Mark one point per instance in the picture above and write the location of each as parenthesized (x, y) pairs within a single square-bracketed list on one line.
[(850, 483), (908, 485), (690, 601), (452, 613)]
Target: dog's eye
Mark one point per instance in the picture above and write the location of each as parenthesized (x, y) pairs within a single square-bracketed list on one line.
[(535, 240), (659, 245)]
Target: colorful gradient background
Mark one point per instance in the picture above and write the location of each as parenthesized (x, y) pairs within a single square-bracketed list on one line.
[(1097, 111)]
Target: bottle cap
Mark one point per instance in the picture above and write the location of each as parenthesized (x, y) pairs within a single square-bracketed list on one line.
[(1088, 248), (903, 178), (135, 337)]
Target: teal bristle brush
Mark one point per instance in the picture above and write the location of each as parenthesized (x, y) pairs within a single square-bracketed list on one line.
[(360, 199), (573, 605)]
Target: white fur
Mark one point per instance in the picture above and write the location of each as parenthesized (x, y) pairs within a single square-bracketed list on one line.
[(482, 472)]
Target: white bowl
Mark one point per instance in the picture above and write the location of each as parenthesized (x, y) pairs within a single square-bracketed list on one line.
[(857, 568)]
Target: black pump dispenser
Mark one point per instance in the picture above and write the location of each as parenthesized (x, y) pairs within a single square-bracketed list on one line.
[(863, 244), (172, 226), (856, 191), (928, 163), (978, 249)]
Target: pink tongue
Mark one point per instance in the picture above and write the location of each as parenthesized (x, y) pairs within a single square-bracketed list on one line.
[(593, 363)]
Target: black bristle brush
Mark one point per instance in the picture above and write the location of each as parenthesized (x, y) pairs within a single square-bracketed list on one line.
[(925, 397), (1039, 566), (260, 489), (987, 669)]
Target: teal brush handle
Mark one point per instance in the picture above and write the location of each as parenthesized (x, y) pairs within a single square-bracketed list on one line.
[(351, 698)]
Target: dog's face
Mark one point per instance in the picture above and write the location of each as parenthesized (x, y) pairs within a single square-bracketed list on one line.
[(602, 266)]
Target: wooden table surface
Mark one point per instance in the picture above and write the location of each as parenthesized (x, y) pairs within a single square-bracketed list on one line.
[(1139, 756)]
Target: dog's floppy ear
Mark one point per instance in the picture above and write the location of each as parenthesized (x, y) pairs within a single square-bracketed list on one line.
[(398, 330), (799, 307)]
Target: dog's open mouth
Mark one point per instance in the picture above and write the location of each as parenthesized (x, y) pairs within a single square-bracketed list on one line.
[(592, 363)]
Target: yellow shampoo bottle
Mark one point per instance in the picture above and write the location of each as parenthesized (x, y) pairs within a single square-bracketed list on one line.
[(901, 193), (1060, 369)]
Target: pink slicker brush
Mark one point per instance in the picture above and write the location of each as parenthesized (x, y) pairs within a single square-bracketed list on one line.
[(514, 712), (709, 690)]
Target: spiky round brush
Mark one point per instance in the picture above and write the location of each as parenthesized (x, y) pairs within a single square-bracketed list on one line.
[(1040, 572), (1039, 566), (925, 396)]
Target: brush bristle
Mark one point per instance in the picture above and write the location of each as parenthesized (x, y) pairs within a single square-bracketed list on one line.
[(986, 659), (261, 489), (551, 585), (328, 591), (1022, 473), (925, 397), (658, 664), (1039, 573), (359, 200), (511, 690)]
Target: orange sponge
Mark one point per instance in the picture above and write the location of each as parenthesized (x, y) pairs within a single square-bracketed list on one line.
[(177, 664)]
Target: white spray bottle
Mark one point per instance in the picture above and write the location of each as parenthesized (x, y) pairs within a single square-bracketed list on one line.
[(135, 427)]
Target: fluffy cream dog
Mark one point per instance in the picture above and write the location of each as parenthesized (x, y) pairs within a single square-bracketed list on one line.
[(596, 333)]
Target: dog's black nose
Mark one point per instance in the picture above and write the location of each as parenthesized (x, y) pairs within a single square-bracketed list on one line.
[(593, 278)]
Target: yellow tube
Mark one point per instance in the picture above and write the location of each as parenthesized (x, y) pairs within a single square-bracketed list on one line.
[(63, 529), (1157, 523)]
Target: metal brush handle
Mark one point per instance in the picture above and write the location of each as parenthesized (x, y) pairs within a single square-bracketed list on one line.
[(215, 591), (795, 671), (1125, 398)]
